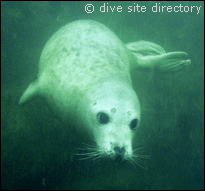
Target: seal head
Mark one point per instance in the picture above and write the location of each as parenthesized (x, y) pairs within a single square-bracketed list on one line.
[(112, 115)]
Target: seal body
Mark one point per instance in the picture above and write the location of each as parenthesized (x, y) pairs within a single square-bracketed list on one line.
[(84, 75)]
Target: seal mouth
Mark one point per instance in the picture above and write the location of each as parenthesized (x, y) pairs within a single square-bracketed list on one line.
[(118, 158), (119, 153)]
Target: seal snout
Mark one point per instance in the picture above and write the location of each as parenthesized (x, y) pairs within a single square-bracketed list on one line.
[(119, 153)]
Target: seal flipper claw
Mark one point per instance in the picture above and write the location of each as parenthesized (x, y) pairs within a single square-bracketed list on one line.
[(174, 64)]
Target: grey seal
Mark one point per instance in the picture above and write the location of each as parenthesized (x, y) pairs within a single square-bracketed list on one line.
[(84, 76)]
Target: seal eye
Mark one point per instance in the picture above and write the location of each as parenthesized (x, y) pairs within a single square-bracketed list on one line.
[(133, 124), (102, 118)]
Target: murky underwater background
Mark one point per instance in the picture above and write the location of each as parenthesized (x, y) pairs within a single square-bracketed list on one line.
[(37, 151)]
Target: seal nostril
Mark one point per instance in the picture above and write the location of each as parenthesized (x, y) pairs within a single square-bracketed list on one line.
[(119, 150)]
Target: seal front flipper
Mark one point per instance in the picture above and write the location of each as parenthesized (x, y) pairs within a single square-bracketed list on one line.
[(149, 55), (30, 93)]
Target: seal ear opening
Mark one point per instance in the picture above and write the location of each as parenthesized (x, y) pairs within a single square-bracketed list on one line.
[(30, 93)]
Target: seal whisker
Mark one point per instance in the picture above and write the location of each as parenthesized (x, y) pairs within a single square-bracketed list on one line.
[(91, 152), (140, 162), (132, 162), (97, 157), (88, 154), (141, 156), (140, 159), (93, 157), (88, 145), (139, 149), (90, 149)]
